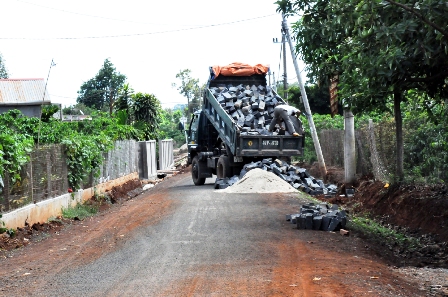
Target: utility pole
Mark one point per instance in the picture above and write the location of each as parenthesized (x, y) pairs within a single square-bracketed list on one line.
[(285, 75), (269, 74), (43, 99), (183, 120), (313, 132)]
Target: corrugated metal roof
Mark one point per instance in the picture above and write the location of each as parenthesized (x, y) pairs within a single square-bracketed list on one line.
[(23, 90)]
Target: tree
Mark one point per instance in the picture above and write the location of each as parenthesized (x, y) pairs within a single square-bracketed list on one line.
[(190, 88), (78, 109), (380, 50), (123, 104), (101, 91), (146, 110), (124, 98), (48, 111), (3, 70), (318, 97), (169, 126)]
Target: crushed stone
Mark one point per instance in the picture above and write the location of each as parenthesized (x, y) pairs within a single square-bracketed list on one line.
[(260, 181)]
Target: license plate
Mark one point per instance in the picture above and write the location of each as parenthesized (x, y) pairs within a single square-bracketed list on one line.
[(270, 142)]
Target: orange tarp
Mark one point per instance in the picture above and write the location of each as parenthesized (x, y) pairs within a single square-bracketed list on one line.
[(240, 69)]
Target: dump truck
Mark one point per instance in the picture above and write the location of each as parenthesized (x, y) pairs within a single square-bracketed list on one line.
[(231, 129)]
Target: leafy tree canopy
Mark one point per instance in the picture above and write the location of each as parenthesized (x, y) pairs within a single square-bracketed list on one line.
[(146, 110), (101, 91), (375, 46), (169, 126), (380, 50), (78, 109), (48, 111), (123, 101), (190, 88), (318, 97), (3, 70)]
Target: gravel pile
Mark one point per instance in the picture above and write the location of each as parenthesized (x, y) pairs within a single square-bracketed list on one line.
[(259, 181), (297, 178)]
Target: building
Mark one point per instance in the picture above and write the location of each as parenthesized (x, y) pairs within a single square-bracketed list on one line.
[(25, 94)]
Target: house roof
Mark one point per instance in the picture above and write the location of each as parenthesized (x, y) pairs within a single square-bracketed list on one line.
[(23, 91)]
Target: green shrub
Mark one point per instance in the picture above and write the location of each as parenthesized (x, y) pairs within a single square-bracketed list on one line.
[(80, 211)]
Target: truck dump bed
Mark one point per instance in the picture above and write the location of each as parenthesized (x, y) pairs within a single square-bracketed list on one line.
[(240, 108)]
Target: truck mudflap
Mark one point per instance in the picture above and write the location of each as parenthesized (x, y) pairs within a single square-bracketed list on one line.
[(270, 145)]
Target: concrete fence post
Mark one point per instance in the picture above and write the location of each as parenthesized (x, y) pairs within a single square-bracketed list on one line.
[(349, 147), (147, 166), (166, 157)]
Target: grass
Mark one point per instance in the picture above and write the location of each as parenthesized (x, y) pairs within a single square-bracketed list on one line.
[(387, 235), (55, 219), (80, 211)]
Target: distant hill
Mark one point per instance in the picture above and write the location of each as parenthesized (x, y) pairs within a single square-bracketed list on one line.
[(179, 107)]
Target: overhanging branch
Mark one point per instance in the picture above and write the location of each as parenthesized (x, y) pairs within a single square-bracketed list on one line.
[(428, 79), (420, 16)]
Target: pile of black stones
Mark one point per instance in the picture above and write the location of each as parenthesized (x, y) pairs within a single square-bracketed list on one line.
[(252, 107)]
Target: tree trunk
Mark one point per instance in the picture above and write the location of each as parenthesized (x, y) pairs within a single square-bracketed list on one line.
[(399, 132), (111, 103)]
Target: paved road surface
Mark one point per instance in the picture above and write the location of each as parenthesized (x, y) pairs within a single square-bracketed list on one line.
[(202, 243)]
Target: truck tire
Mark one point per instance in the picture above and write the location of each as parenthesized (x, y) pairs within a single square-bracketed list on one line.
[(195, 172), (223, 168), (237, 169)]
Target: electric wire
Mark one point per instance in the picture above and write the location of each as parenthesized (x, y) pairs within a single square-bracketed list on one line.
[(92, 16), (139, 34), (67, 97)]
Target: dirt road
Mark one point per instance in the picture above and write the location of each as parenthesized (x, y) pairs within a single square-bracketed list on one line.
[(181, 240)]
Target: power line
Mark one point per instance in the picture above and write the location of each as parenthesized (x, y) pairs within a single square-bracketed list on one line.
[(58, 96), (139, 34), (89, 15)]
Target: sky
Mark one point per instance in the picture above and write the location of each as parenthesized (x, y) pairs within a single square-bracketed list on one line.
[(148, 41)]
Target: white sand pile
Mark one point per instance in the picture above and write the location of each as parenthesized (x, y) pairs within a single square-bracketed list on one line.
[(260, 181)]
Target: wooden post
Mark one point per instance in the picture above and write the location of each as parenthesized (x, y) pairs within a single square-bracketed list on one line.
[(6, 191), (48, 161)]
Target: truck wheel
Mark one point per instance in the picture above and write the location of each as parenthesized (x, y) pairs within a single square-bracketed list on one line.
[(237, 170), (223, 168), (195, 171)]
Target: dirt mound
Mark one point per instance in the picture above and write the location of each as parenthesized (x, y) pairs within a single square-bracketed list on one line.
[(125, 191), (260, 181), (23, 236), (423, 208), (419, 211)]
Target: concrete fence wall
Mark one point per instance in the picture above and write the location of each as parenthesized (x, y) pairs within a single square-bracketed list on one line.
[(128, 160), (42, 211), (120, 161)]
